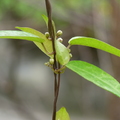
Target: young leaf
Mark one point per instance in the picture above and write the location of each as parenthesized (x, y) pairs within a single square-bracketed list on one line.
[(62, 114), (46, 21), (95, 75), (62, 53), (46, 46), (12, 34), (91, 42)]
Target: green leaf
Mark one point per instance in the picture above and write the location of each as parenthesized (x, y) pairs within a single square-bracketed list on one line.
[(62, 114), (32, 31), (46, 21), (95, 75), (46, 46), (91, 42), (62, 53), (12, 34)]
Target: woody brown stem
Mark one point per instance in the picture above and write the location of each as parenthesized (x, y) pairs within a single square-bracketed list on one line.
[(55, 65)]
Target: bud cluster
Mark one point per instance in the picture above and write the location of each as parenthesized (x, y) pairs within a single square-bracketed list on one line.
[(58, 34)]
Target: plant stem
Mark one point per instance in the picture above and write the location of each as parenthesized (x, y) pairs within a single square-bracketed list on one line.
[(51, 31), (55, 83), (58, 82), (56, 65), (54, 104), (57, 87)]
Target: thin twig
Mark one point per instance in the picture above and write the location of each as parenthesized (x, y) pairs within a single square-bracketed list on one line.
[(51, 31), (55, 84), (55, 65), (56, 98), (56, 94), (58, 86)]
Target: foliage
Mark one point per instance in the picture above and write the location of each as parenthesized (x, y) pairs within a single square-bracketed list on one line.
[(62, 114), (95, 75), (20, 35), (92, 42)]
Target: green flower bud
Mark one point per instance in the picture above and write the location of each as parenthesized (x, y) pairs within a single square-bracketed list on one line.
[(47, 63), (47, 35), (69, 50), (60, 40), (49, 38), (59, 33), (51, 61), (70, 55)]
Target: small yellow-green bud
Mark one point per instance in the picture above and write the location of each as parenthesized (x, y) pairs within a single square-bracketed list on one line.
[(59, 33), (69, 50), (47, 63), (51, 61), (60, 40), (70, 55), (49, 38), (47, 35)]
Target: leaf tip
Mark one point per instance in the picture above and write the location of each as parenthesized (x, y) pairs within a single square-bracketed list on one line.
[(62, 114)]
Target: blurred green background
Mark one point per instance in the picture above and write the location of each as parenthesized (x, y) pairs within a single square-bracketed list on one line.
[(26, 84)]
